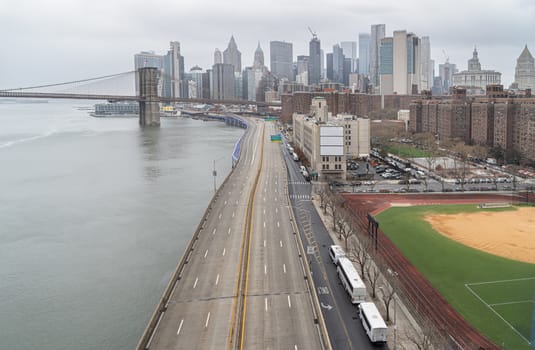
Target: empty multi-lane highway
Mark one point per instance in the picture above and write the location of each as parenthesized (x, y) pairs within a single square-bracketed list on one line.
[(242, 281)]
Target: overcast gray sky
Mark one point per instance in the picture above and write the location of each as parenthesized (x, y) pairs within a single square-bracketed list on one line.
[(63, 40)]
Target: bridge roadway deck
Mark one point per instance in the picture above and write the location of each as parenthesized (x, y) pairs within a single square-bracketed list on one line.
[(279, 311)]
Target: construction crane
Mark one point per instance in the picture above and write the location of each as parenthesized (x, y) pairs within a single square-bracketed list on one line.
[(313, 33), (446, 56)]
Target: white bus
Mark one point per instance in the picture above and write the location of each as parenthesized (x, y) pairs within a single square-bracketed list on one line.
[(351, 280), (335, 252), (373, 323)]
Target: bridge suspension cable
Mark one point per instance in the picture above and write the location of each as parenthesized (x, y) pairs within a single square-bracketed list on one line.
[(69, 82)]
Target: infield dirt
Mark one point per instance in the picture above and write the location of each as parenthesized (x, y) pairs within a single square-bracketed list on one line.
[(509, 234)]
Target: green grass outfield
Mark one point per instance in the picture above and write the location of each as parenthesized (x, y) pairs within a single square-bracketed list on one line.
[(494, 294)]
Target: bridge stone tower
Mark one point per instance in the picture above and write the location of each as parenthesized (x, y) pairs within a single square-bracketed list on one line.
[(149, 104)]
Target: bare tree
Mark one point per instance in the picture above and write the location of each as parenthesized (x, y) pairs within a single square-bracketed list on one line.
[(373, 277), (349, 229), (427, 339), (336, 204), (322, 193), (462, 151), (359, 254), (329, 205), (387, 297), (341, 223)]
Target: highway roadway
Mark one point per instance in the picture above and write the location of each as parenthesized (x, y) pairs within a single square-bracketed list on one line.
[(341, 316), (243, 250), (279, 305)]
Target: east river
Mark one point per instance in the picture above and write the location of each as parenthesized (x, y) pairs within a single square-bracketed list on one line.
[(94, 216)]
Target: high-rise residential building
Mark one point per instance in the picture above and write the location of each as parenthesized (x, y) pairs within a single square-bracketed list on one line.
[(498, 119), (147, 59), (322, 64), (223, 81), (426, 80), (232, 55), (406, 72), (218, 58), (303, 66), (330, 72), (400, 69), (475, 80), (173, 76), (195, 82), (251, 81), (346, 71), (238, 85), (314, 61), (377, 34), (386, 66), (258, 58), (525, 70), (364, 53), (177, 67), (350, 51), (281, 59), (446, 71), (338, 64)]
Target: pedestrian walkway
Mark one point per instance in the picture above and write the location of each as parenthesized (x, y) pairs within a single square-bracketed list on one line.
[(305, 197), (405, 326), (299, 183)]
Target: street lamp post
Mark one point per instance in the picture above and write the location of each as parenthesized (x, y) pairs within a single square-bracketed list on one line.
[(395, 323), (214, 174)]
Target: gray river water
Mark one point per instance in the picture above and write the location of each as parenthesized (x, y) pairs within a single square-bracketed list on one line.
[(94, 216)]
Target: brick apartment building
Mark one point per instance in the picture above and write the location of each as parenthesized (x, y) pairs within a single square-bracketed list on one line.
[(343, 103), (496, 119)]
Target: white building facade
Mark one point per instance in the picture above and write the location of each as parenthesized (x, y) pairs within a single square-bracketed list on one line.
[(327, 142)]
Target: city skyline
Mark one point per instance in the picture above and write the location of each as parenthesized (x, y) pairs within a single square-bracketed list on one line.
[(70, 43)]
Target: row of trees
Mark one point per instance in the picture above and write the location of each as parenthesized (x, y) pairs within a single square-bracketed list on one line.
[(358, 247)]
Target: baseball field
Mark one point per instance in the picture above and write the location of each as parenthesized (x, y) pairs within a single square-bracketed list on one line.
[(481, 260)]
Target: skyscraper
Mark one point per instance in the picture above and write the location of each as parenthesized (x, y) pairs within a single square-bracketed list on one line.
[(338, 64), (314, 61), (173, 71), (217, 57), (350, 51), (426, 81), (330, 73), (446, 72), (232, 55), (386, 66), (281, 59), (377, 34), (147, 59), (258, 58), (302, 71), (223, 81), (406, 65), (364, 53), (525, 70)]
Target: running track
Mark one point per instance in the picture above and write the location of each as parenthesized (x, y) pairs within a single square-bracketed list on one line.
[(418, 291)]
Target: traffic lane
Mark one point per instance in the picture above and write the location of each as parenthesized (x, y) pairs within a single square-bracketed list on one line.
[(348, 312), (200, 279), (269, 277), (198, 318)]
